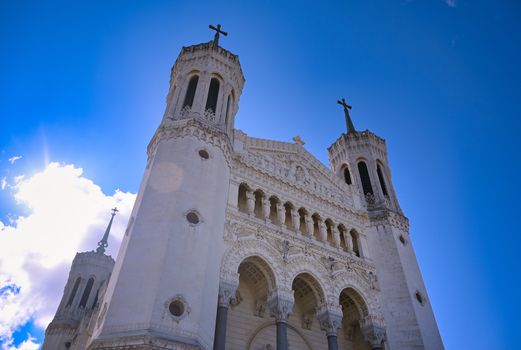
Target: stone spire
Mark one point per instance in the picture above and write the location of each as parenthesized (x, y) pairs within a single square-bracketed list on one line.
[(349, 123), (103, 243)]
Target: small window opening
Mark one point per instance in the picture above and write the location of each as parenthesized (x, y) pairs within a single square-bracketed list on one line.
[(329, 229), (316, 229), (419, 297), (258, 204), (287, 218), (347, 176), (356, 248), (364, 177), (190, 91), (302, 220), (204, 154), (86, 292), (341, 232), (243, 199), (193, 218), (213, 93), (402, 239), (74, 291), (381, 179), (176, 308), (273, 210)]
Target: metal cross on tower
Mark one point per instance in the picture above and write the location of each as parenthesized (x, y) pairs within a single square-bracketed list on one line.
[(349, 122), (104, 241), (217, 32)]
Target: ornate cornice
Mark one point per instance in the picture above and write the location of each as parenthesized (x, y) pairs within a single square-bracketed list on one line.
[(194, 128)]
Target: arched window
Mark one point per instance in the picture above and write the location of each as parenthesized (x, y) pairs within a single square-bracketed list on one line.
[(381, 179), (288, 220), (356, 246), (302, 221), (242, 198), (190, 91), (329, 230), (74, 291), (347, 175), (213, 93), (258, 204), (316, 230), (273, 210), (86, 292), (341, 233), (364, 177)]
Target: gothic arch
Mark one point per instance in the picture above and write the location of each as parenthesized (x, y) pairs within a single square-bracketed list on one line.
[(234, 256)]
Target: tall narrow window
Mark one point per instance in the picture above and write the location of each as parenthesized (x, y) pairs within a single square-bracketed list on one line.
[(190, 91), (356, 246), (74, 291), (213, 93), (86, 292), (364, 177), (347, 175), (382, 181)]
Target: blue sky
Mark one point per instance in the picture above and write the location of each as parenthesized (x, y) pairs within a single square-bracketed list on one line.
[(84, 83)]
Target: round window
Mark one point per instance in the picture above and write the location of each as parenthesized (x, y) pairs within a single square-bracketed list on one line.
[(204, 154), (192, 218), (176, 308)]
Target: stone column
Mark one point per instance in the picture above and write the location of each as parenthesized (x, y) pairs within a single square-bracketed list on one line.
[(336, 236), (281, 213), (295, 219), (226, 295), (309, 224), (281, 306), (330, 321), (373, 330), (265, 209), (250, 202), (322, 229)]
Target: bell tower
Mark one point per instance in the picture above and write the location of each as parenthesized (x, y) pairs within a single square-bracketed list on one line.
[(162, 293), (360, 159)]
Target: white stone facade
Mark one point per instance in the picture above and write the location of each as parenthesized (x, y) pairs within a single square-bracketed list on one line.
[(240, 243)]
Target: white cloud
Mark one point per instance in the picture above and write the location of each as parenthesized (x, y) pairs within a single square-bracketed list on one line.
[(28, 344), (3, 183), (69, 213), (14, 159)]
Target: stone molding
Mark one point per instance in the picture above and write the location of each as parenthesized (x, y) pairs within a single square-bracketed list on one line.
[(195, 128)]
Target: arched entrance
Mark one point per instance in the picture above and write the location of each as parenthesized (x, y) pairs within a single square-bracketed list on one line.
[(250, 312), (354, 309)]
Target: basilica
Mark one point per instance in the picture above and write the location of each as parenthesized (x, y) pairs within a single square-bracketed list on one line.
[(243, 243)]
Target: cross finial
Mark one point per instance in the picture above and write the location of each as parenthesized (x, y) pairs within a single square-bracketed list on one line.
[(349, 122), (217, 32), (104, 241)]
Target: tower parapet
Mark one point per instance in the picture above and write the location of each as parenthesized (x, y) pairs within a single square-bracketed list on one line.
[(89, 274), (205, 84)]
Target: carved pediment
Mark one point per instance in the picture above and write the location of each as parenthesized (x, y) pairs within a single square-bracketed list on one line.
[(295, 165)]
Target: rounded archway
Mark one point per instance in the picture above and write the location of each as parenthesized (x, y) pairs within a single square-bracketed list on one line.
[(250, 310), (354, 308)]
